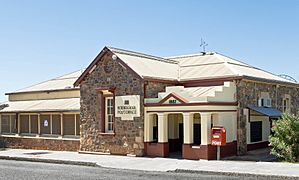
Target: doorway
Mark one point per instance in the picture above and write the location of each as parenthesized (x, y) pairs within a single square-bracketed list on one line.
[(175, 135)]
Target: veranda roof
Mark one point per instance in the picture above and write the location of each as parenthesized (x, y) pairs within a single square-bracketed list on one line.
[(52, 105), (271, 112)]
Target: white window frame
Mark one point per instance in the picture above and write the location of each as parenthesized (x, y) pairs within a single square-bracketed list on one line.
[(265, 102), (286, 104), (109, 115)]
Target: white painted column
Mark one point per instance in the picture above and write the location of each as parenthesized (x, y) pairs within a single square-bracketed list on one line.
[(38, 125), (148, 127), (188, 128), (162, 128), (10, 123), (61, 124), (205, 128), (29, 120), (19, 124), (51, 128), (0, 123), (75, 124)]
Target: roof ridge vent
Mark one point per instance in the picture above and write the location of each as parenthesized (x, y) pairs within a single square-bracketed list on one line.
[(68, 87), (208, 53)]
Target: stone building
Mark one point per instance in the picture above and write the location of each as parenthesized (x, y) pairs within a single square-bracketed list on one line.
[(143, 105), (43, 116)]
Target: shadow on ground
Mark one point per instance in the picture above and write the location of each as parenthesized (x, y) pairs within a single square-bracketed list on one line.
[(259, 155), (37, 153)]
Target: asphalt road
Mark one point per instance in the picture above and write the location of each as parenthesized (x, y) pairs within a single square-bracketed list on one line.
[(33, 170)]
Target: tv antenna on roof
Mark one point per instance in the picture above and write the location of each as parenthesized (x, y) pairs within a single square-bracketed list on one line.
[(203, 44)]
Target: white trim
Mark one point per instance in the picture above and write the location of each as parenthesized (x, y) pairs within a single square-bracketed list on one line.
[(51, 128), (38, 124), (77, 138), (29, 123), (107, 115), (61, 124), (0, 123), (19, 123), (10, 128), (75, 124)]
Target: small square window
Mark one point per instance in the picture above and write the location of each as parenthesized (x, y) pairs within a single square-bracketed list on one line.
[(127, 102)]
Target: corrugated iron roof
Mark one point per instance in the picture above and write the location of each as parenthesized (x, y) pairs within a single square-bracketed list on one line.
[(271, 112), (149, 66), (191, 67), (209, 65), (52, 105), (212, 65), (59, 83)]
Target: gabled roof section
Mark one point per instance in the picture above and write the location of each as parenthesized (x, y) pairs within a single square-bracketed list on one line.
[(142, 64), (60, 83), (149, 66)]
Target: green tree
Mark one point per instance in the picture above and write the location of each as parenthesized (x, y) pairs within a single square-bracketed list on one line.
[(285, 138)]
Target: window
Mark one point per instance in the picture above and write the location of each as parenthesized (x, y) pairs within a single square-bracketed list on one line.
[(286, 104), (53, 125), (256, 131), (8, 124), (56, 124), (33, 124), (109, 115), (24, 124), (264, 102), (45, 124)]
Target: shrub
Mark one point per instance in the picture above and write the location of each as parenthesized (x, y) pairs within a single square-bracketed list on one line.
[(285, 138)]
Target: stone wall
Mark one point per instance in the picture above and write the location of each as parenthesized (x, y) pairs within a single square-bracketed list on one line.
[(128, 137), (2, 142), (153, 88), (41, 144), (248, 93)]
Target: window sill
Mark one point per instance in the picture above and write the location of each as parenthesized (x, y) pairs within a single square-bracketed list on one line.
[(107, 134), (75, 138)]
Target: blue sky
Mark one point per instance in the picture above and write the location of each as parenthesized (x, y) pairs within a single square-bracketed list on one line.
[(40, 40)]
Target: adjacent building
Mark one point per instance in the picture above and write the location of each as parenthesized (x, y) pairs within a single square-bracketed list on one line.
[(43, 116), (142, 105)]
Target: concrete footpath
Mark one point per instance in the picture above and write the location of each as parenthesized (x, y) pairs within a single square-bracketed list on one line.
[(246, 168)]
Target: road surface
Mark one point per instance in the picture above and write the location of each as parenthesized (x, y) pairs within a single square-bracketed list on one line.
[(10, 169)]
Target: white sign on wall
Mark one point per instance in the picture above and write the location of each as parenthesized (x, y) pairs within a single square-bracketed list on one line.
[(46, 123), (127, 107)]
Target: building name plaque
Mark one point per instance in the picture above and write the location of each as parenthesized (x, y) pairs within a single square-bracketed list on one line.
[(127, 107)]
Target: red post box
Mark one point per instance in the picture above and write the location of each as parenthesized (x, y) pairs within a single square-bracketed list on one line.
[(218, 136)]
